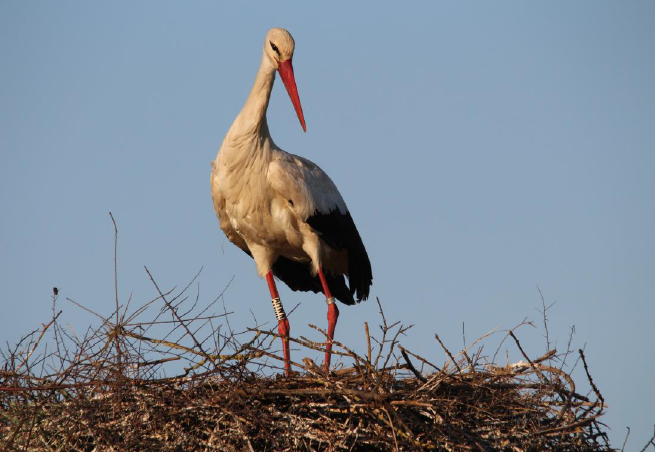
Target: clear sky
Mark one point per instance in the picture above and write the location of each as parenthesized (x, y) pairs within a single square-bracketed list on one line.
[(483, 148)]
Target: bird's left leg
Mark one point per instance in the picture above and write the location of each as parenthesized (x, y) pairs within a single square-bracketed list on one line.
[(332, 316), (283, 322)]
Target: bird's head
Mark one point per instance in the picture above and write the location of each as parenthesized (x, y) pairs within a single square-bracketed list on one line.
[(278, 47)]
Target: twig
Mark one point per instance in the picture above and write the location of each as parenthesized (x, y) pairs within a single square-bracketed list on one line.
[(591, 381), (448, 352), (423, 360), (626, 439), (368, 343), (545, 317), (36, 344), (416, 373), (119, 353), (175, 314), (651, 441), (532, 365)]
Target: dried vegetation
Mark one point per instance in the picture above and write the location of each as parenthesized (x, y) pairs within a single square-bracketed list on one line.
[(107, 390)]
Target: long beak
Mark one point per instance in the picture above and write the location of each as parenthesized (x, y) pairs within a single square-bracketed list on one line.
[(286, 74)]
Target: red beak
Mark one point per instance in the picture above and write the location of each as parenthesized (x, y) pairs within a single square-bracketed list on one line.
[(286, 74)]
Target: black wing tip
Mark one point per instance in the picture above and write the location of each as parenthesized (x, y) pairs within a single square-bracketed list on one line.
[(361, 282), (362, 293), (359, 264)]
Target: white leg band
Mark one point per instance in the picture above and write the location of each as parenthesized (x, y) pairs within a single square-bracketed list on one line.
[(279, 310), (330, 301)]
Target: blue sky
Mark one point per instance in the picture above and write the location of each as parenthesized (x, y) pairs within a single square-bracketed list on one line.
[(484, 149)]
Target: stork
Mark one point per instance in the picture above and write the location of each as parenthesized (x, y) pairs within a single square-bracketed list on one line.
[(283, 210)]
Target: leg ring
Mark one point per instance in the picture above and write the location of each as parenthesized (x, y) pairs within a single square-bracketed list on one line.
[(279, 310)]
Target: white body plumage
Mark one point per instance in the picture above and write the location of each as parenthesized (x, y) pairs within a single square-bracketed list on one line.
[(275, 205)]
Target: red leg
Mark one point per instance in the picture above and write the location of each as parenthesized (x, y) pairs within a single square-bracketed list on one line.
[(282, 321), (332, 316)]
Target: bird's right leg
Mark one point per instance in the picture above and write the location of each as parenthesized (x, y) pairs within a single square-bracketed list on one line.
[(282, 321), (332, 315)]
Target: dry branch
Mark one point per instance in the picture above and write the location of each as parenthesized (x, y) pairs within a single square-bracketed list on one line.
[(108, 390), (96, 396)]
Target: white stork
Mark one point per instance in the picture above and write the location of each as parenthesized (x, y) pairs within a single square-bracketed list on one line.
[(282, 209)]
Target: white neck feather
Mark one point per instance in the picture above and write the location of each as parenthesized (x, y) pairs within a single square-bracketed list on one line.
[(252, 118)]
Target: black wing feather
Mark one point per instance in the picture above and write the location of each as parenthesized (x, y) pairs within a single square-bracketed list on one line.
[(298, 276), (338, 231)]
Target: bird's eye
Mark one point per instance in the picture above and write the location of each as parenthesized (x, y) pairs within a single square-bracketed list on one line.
[(275, 49)]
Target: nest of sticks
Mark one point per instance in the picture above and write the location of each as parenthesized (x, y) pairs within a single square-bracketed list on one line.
[(107, 390)]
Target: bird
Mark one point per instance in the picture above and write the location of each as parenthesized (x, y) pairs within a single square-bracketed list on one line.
[(283, 210)]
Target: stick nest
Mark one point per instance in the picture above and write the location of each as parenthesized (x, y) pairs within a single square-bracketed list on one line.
[(106, 391)]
